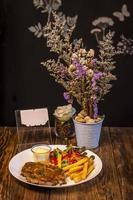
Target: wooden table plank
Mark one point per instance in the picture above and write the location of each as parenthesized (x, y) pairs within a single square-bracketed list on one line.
[(7, 148), (108, 184), (122, 143)]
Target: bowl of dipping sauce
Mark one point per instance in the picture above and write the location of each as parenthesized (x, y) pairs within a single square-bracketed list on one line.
[(41, 152)]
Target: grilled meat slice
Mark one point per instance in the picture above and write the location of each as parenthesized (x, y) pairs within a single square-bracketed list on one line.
[(43, 173)]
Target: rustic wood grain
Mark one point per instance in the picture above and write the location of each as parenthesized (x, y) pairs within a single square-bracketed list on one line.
[(115, 182), (122, 144), (8, 142)]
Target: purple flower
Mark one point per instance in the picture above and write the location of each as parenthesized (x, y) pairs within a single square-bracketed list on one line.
[(97, 75), (68, 97), (95, 89), (80, 71), (93, 62), (95, 78), (95, 107)]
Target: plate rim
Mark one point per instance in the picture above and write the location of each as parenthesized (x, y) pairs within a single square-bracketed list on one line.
[(54, 186)]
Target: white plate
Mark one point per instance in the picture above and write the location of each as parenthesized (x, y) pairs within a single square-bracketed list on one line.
[(18, 161)]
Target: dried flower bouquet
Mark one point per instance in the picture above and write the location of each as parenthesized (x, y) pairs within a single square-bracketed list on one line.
[(84, 77)]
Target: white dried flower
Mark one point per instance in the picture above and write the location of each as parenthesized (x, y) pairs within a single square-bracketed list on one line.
[(91, 53), (85, 67), (82, 61), (71, 69), (82, 52), (74, 55), (90, 72)]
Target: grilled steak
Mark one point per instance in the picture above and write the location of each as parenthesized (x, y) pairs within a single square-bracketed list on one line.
[(43, 173)]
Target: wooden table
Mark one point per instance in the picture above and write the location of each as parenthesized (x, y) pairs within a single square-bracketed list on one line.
[(115, 182)]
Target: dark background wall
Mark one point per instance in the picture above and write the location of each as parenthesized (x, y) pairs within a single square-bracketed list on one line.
[(23, 81)]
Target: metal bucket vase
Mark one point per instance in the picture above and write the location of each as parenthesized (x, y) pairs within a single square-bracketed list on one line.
[(88, 134)]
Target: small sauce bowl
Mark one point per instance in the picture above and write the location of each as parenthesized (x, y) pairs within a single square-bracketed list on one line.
[(41, 152)]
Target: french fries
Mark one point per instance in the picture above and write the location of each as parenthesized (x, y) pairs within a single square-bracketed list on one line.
[(75, 169), (81, 169), (85, 169), (80, 162)]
